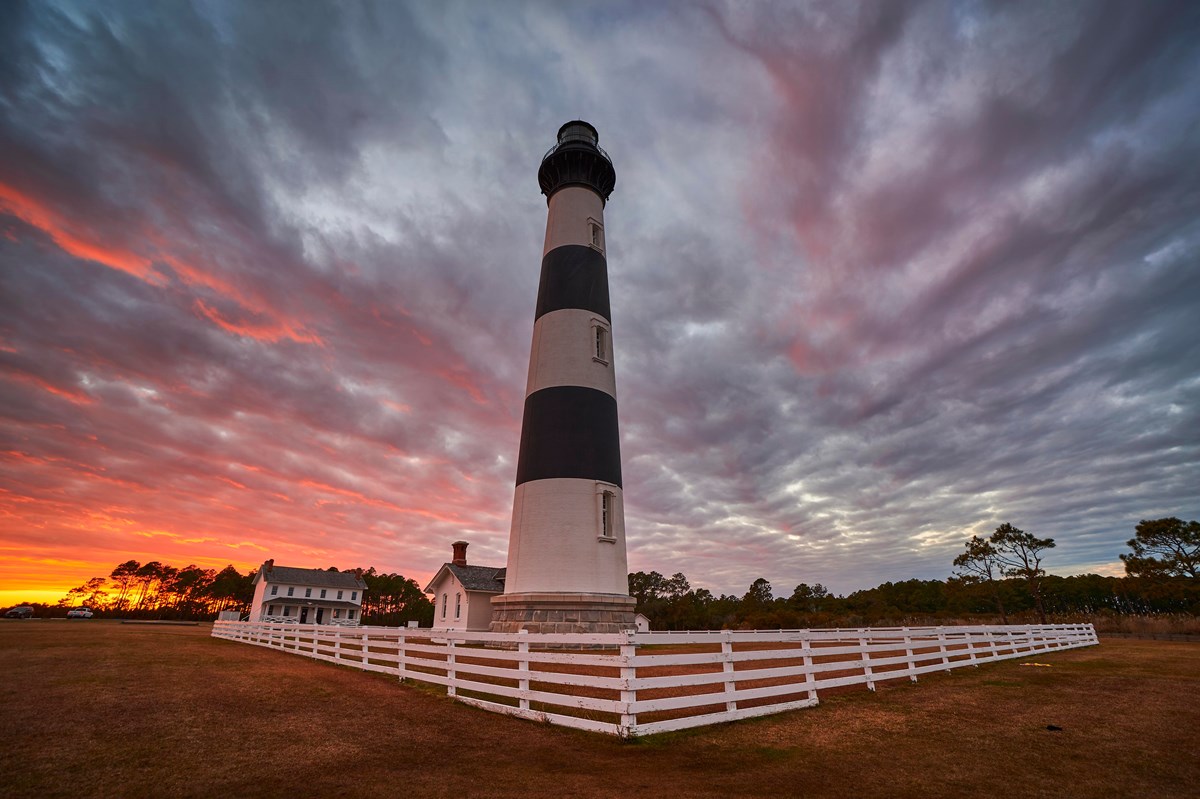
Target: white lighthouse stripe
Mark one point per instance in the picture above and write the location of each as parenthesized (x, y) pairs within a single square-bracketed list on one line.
[(564, 352), (567, 220), (557, 526)]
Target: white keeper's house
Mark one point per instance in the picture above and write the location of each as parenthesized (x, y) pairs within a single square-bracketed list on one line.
[(306, 596), (462, 594)]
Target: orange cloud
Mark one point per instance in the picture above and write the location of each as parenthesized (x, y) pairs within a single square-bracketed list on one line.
[(273, 330), (76, 242), (77, 397)]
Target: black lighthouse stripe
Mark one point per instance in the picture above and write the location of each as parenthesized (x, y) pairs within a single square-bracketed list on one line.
[(573, 276), (570, 431)]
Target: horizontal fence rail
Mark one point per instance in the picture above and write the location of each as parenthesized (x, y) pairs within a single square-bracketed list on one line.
[(635, 683)]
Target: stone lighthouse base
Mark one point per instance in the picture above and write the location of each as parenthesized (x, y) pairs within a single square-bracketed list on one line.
[(562, 613)]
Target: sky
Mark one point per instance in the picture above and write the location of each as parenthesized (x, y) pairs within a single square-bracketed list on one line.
[(883, 277)]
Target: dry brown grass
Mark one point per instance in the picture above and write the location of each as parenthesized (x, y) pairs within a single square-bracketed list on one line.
[(101, 709)]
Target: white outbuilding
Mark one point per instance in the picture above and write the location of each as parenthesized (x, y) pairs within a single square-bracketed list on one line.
[(462, 594)]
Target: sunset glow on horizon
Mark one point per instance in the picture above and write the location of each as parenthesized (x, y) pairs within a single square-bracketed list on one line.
[(883, 276)]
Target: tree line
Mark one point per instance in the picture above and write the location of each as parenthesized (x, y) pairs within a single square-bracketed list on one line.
[(156, 590), (1000, 578)]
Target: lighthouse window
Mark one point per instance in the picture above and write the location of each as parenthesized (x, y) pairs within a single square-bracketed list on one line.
[(607, 510), (596, 235), (599, 342)]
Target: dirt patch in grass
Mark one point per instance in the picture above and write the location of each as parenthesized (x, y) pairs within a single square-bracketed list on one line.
[(103, 709)]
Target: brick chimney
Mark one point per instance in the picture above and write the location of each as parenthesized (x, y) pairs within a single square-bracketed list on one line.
[(268, 565), (460, 553)]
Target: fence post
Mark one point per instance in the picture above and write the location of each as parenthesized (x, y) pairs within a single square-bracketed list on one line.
[(971, 648), (366, 649), (941, 633), (316, 634), (810, 679), (866, 664), (523, 669), (629, 685), (727, 668), (908, 653), (450, 675), (337, 645)]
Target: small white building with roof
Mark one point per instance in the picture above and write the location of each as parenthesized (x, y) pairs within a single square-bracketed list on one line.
[(307, 596), (462, 594)]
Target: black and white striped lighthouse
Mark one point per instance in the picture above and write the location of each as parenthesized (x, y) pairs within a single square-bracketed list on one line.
[(567, 570)]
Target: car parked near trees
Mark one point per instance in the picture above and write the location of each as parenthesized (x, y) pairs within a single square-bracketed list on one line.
[(79, 613), (20, 612)]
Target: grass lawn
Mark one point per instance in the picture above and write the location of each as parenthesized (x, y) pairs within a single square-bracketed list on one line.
[(99, 709)]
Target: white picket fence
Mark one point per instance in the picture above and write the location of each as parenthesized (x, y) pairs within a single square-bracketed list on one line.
[(643, 683)]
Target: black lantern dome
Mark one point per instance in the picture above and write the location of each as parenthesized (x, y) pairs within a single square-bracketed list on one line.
[(577, 160)]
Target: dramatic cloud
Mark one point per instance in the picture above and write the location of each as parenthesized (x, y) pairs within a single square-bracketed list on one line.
[(883, 276)]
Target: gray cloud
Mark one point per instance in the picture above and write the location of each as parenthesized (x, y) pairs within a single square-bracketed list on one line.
[(883, 276)]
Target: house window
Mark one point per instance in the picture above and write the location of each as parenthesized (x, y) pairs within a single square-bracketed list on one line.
[(349, 614), (291, 590), (444, 596), (354, 595), (595, 235), (307, 592), (457, 605), (339, 594), (600, 346), (606, 510), (337, 614), (270, 610), (322, 593), (274, 590)]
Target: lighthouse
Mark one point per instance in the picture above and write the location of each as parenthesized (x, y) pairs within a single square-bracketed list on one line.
[(567, 568)]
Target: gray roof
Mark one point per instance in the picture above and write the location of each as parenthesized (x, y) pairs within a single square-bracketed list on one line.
[(479, 578), (318, 577), (474, 578)]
